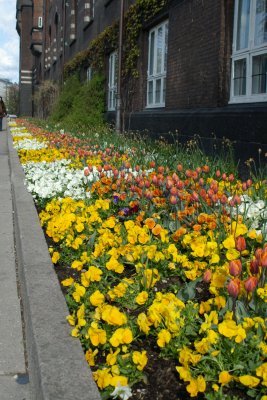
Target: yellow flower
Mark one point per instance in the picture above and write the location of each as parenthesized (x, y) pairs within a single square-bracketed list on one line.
[(229, 242), (97, 335), (232, 254), (77, 265), (121, 336), (79, 292), (184, 373), (140, 358), (97, 298), (67, 282), (141, 298), (113, 316), (143, 323), (71, 319), (215, 387), (196, 385), (114, 265), (164, 338), (230, 329), (102, 377), (238, 229), (55, 257), (119, 380), (112, 357), (261, 371), (225, 377), (150, 278), (90, 356), (248, 380)]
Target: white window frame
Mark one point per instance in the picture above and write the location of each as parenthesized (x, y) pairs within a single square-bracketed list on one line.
[(112, 81), (155, 75), (89, 74), (247, 53)]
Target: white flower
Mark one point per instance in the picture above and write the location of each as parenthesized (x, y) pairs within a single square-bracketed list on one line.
[(122, 392), (29, 144)]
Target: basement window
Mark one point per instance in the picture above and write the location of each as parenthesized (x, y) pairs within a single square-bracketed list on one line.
[(249, 58), (157, 65)]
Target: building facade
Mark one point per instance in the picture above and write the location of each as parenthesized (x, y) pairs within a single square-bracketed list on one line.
[(199, 66), (5, 84)]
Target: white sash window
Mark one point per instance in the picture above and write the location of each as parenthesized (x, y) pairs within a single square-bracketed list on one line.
[(157, 65), (249, 59)]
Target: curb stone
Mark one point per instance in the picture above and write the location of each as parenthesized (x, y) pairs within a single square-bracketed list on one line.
[(57, 367)]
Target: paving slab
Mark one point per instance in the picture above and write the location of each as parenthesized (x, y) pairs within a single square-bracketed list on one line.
[(11, 389)]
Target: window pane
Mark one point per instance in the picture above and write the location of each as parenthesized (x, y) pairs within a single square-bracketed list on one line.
[(164, 89), (150, 92), (158, 90), (240, 70), (166, 46), (261, 22), (151, 53), (159, 50), (259, 72), (242, 24)]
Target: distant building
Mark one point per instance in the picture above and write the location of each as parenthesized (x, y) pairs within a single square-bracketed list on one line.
[(201, 67), (4, 85)]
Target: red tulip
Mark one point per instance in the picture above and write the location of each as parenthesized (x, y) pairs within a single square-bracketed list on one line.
[(207, 276), (254, 266), (233, 287), (251, 283), (235, 267), (264, 258), (240, 243)]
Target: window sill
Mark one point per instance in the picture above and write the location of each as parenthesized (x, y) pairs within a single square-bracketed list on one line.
[(244, 99)]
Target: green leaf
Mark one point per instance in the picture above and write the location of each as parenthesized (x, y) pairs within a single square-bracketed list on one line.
[(188, 292)]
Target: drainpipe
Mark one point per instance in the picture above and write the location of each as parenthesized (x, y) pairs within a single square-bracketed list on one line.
[(118, 103)]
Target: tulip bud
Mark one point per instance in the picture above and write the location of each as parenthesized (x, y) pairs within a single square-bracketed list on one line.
[(173, 200), (240, 243), (235, 267), (207, 276), (86, 172), (233, 287), (264, 258), (251, 283), (254, 266)]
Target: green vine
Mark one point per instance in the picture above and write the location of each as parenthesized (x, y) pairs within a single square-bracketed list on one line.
[(137, 14)]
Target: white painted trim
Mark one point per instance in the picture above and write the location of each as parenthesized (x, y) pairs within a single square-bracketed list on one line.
[(156, 75), (248, 53), (26, 82), (26, 71)]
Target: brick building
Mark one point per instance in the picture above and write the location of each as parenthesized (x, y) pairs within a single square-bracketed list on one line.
[(201, 65)]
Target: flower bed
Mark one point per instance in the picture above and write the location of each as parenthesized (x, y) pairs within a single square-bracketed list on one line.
[(164, 266)]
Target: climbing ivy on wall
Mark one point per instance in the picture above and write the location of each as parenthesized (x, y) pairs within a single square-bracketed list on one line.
[(107, 41)]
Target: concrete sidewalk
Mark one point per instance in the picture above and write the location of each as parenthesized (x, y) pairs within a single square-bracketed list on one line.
[(39, 360), (13, 372)]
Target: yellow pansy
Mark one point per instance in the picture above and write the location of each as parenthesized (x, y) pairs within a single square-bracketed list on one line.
[(164, 338), (121, 336), (196, 385), (67, 282), (141, 298), (97, 298), (90, 356), (248, 380), (78, 293), (55, 257), (140, 359), (225, 377)]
